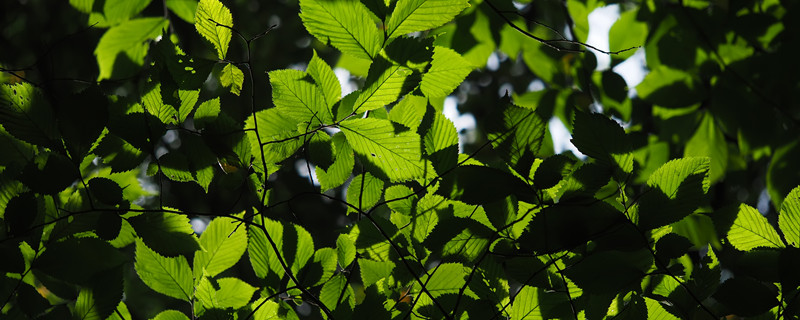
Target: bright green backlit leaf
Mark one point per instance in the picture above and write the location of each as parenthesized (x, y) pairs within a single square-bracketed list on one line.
[(708, 141), (346, 250), (184, 9), (278, 133), (752, 230), (446, 278), (447, 71), (213, 31), (789, 218), (420, 15), (346, 25), (409, 111), (679, 187), (526, 305), (171, 315), (441, 143), (206, 113), (342, 166), (126, 42), (298, 98), (372, 271), (397, 155), (337, 291), (233, 293), (364, 192), (386, 83), (188, 101), (224, 241), (325, 79), (232, 77), (169, 276), (626, 33), (265, 310), (154, 104), (122, 10)]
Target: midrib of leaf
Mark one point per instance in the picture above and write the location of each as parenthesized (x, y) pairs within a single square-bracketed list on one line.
[(313, 113), (384, 147), (380, 85), (758, 232), (405, 19), (353, 36), (174, 280)]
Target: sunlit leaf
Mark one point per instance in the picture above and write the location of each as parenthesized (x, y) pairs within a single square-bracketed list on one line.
[(526, 304), (397, 155), (342, 167), (126, 42), (232, 77), (325, 79), (789, 217), (372, 271), (223, 242), (213, 21), (752, 230), (346, 25), (168, 276), (447, 71), (419, 15)]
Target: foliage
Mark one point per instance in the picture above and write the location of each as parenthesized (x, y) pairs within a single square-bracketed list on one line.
[(146, 173)]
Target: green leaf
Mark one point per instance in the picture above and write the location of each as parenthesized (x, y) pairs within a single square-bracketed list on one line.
[(184, 9), (168, 276), (265, 310), (441, 143), (298, 98), (188, 102), (373, 271), (171, 315), (220, 37), (126, 44), (397, 155), (325, 79), (526, 304), (678, 188), (386, 83), (445, 278), (233, 293), (409, 111), (294, 243), (420, 15), (167, 233), (364, 192), (671, 88), (346, 25), (656, 311), (345, 250), (627, 32), (232, 77), (751, 230), (122, 10), (206, 113), (708, 141), (26, 115), (278, 134), (518, 135), (224, 241), (789, 217), (338, 172), (85, 306), (447, 71), (335, 291), (154, 104)]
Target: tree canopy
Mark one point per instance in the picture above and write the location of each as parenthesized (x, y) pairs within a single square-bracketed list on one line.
[(241, 159)]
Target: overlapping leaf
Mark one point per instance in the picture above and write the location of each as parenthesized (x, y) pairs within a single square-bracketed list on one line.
[(232, 77), (397, 155), (448, 70), (213, 21), (752, 230), (298, 98), (223, 243), (168, 276), (342, 166), (420, 15), (127, 41), (789, 217), (346, 25)]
